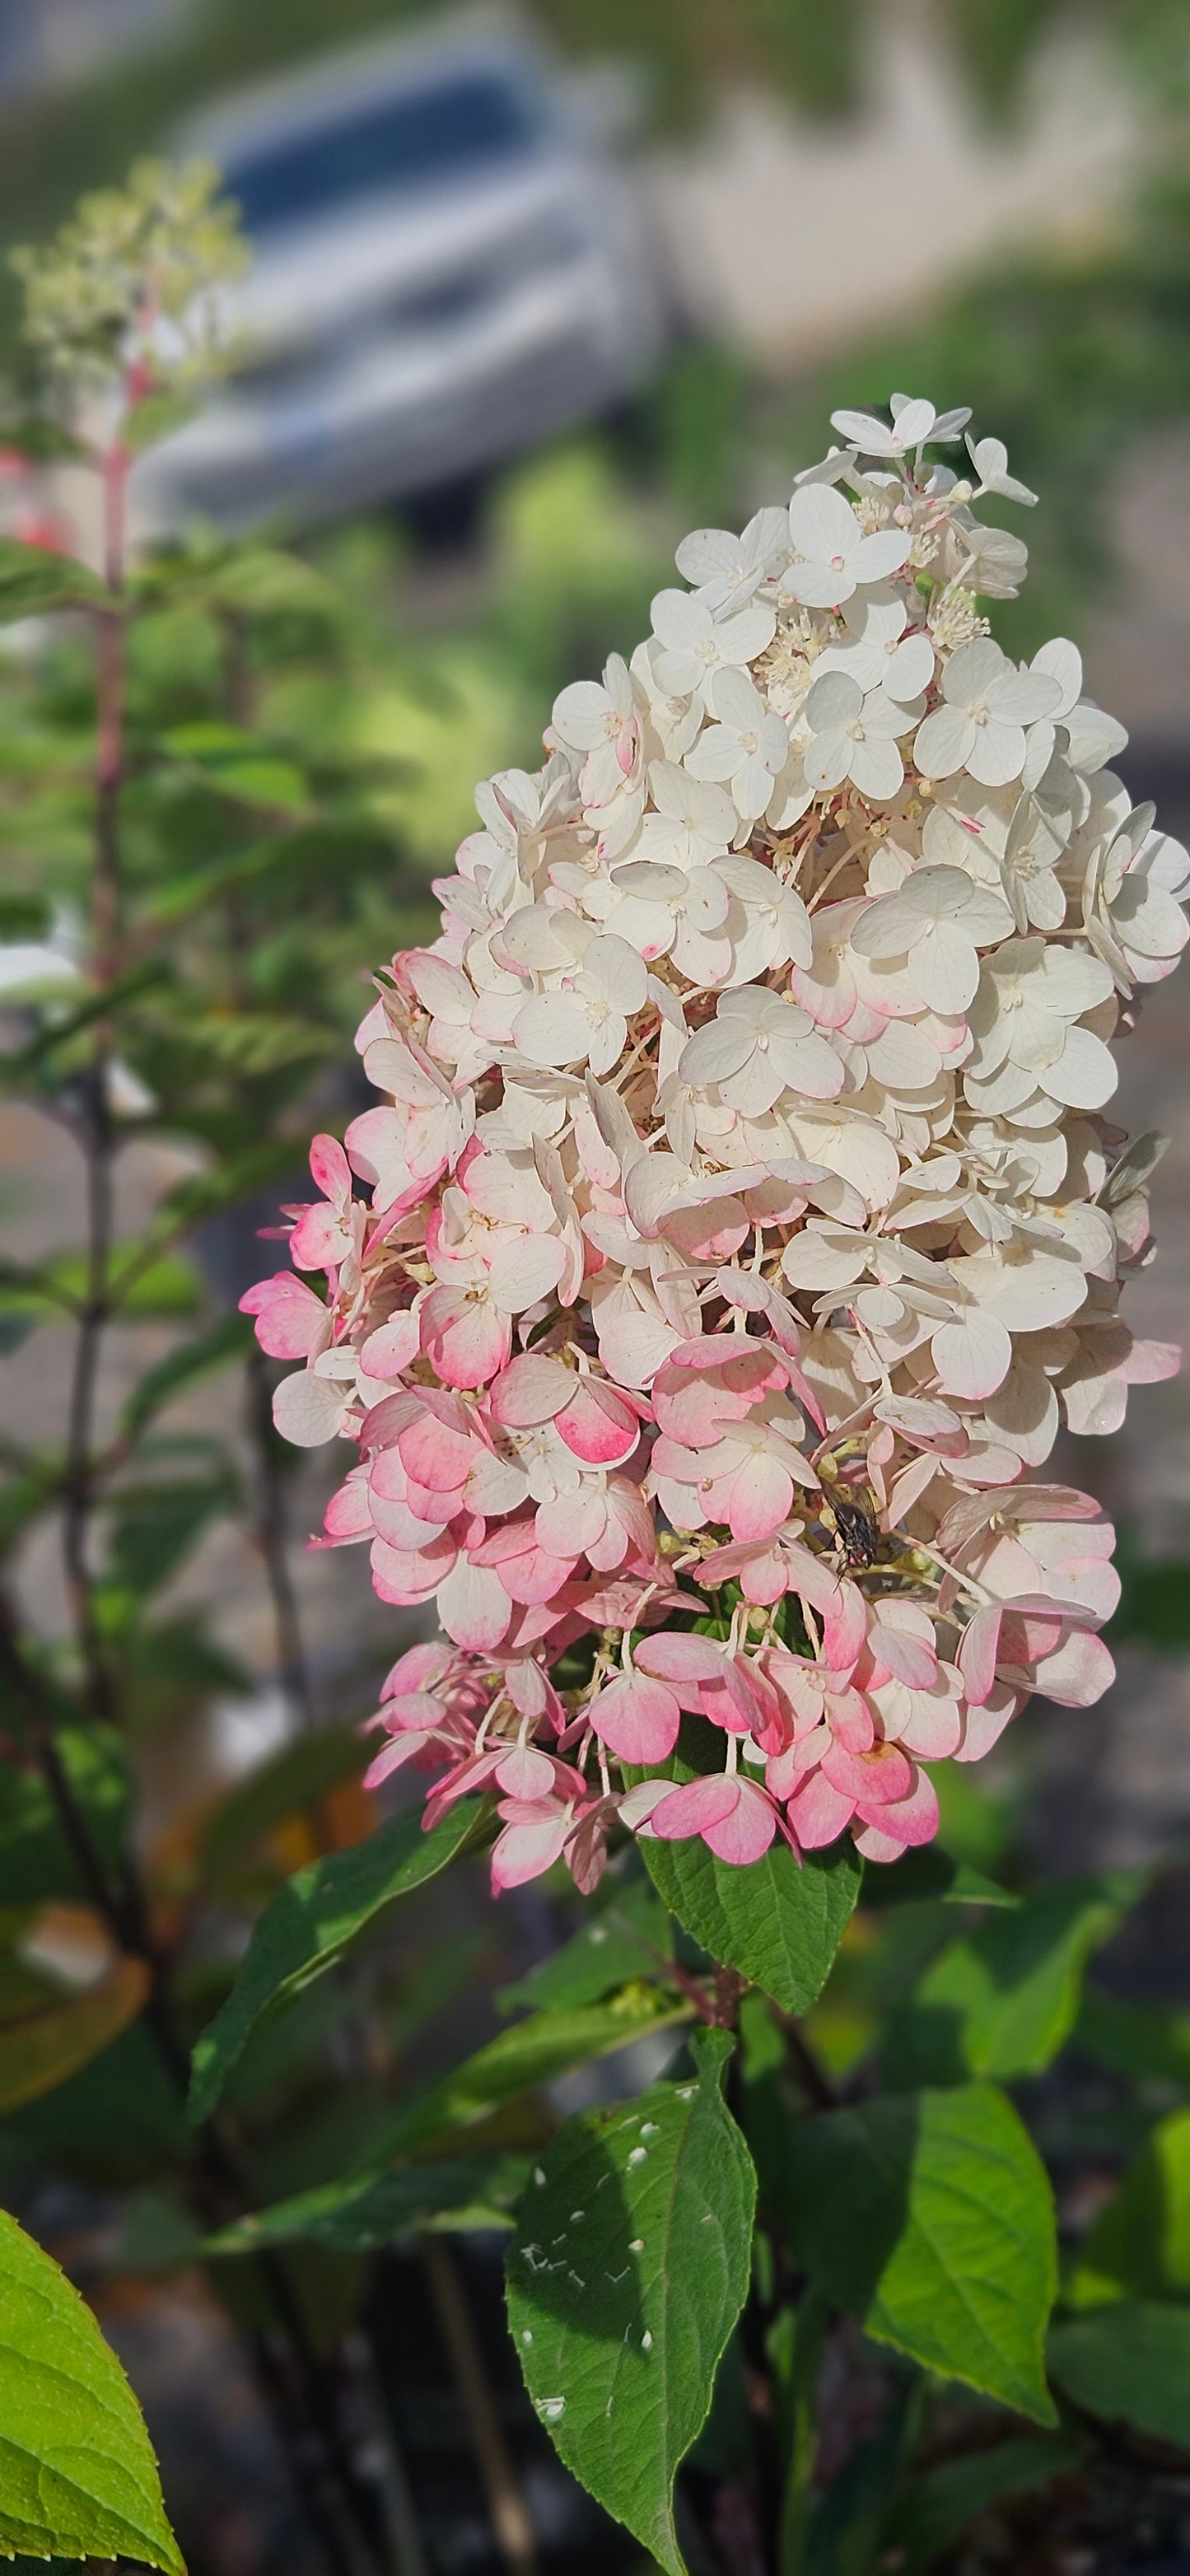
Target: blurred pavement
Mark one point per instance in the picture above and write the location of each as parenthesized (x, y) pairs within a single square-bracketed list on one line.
[(794, 238)]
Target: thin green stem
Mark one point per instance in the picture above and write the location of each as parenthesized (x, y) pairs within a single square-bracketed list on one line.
[(799, 2408), (96, 1134)]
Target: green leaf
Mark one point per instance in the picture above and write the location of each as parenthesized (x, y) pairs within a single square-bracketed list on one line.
[(1139, 2246), (27, 1288), (771, 2106), (263, 782), (20, 2565), (199, 886), (148, 1267), (154, 417), (847, 2523), (516, 2061), (24, 1490), (44, 440), (35, 1861), (166, 1286), (101, 1003), (931, 1872), (779, 1922), (1129, 2364), (252, 1042), (239, 764), (262, 581), (227, 1339), (1156, 1606), (628, 2268), (294, 1778), (629, 1938), (1144, 2041), (154, 1526), (33, 580), (42, 2048), (117, 2120), (208, 739), (947, 2499), (77, 2472), (930, 2218), (354, 2217), (155, 2233), (24, 916), (312, 1918), (1002, 1999)]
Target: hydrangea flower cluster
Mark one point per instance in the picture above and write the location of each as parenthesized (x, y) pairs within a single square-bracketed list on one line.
[(740, 1221)]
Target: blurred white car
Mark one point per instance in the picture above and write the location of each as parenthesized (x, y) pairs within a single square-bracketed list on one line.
[(450, 262)]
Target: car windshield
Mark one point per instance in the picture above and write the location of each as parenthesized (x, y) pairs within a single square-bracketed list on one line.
[(414, 141)]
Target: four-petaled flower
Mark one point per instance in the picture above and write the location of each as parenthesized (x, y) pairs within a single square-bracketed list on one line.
[(834, 555), (980, 725), (855, 736)]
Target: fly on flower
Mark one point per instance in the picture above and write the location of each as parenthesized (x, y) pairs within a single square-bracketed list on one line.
[(858, 1535)]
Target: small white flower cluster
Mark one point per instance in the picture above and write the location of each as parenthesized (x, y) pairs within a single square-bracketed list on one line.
[(743, 1219)]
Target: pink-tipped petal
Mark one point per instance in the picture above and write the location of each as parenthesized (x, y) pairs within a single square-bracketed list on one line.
[(979, 1646), (597, 1426), (291, 1322), (528, 1847), (694, 1807), (638, 1719), (905, 1821), (746, 1834), (818, 1812), (473, 1605), (329, 1168)]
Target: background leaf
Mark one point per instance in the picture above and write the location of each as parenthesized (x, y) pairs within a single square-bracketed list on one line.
[(1139, 2246), (238, 764), (156, 416), (354, 2217), (312, 1918), (847, 2522), (1003, 1998), (947, 2499), (227, 1339), (116, 2121), (628, 2269), (35, 1861), (154, 1526), (533, 2052), (295, 1778), (929, 2217), (32, 580), (630, 1937), (1149, 2041), (77, 2472), (929, 1871), (1130, 2365), (40, 2049)]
